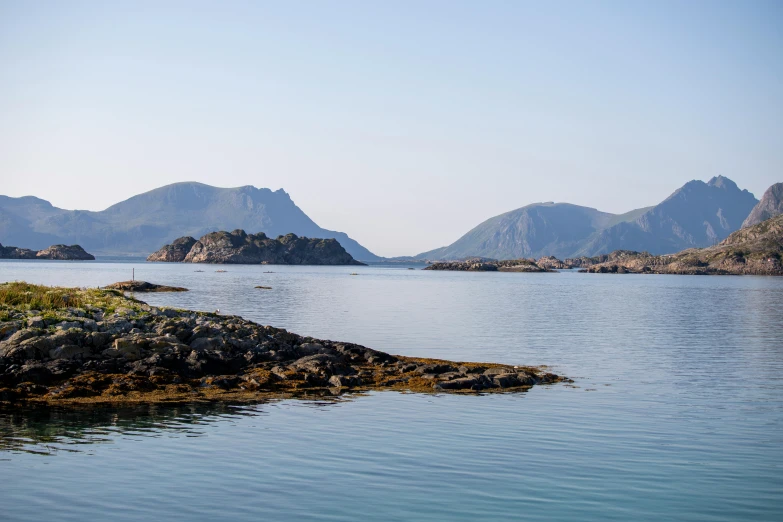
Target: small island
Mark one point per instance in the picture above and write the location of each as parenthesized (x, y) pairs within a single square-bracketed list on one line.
[(54, 252), (489, 265), (73, 346), (239, 247)]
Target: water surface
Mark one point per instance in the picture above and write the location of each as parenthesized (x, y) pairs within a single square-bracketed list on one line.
[(676, 413)]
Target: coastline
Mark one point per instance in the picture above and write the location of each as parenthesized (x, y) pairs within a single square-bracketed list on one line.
[(70, 346)]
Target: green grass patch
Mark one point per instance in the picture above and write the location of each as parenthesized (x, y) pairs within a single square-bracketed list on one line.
[(25, 296)]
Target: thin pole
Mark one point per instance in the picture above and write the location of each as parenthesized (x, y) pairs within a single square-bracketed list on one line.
[(133, 277)]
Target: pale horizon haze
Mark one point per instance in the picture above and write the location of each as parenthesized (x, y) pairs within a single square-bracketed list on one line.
[(403, 124)]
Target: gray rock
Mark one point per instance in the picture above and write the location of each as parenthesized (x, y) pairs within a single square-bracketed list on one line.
[(207, 343), (69, 351), (36, 322), (344, 381)]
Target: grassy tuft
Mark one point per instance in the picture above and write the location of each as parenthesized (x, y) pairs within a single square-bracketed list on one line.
[(25, 296), (36, 297)]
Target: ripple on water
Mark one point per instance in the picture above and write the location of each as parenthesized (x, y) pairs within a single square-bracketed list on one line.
[(676, 411)]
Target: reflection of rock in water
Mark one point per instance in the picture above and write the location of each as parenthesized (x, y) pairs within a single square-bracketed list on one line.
[(47, 430)]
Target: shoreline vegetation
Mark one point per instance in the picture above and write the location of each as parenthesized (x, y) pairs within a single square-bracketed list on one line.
[(75, 346)]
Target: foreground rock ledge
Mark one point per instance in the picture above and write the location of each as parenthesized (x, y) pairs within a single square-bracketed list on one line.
[(107, 348)]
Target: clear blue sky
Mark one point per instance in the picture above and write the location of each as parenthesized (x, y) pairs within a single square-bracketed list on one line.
[(403, 124)]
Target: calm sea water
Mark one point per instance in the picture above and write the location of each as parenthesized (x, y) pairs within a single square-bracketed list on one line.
[(676, 412)]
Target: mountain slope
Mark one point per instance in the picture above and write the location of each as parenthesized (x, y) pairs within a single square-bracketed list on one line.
[(141, 224), (756, 249), (771, 205), (539, 229), (696, 215)]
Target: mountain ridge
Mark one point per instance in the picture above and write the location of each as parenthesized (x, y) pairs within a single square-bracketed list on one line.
[(695, 215), (141, 223)]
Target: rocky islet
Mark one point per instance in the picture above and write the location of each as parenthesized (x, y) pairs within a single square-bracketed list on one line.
[(239, 247), (54, 252), (107, 348)]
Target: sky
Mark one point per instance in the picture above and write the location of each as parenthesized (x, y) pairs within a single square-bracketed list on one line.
[(403, 123)]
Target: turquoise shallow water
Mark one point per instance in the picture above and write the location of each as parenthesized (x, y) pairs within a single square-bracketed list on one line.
[(676, 413)]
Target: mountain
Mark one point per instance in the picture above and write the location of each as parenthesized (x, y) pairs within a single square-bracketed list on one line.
[(139, 225), (556, 229), (238, 247), (771, 205), (696, 215), (756, 249)]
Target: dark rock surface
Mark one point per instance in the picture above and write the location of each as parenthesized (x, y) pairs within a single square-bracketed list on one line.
[(56, 252), (123, 350), (143, 286), (238, 247)]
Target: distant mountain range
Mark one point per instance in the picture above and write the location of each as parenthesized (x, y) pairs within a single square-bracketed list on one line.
[(141, 224), (698, 214)]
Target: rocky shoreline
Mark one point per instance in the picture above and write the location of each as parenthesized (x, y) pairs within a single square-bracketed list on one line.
[(54, 252), (486, 265), (71, 346), (239, 247)]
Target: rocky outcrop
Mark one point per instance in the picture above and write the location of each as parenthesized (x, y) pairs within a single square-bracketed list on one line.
[(771, 205), (108, 348), (552, 263), (56, 252), (65, 253), (238, 247), (143, 286), (755, 250), (175, 252), (483, 265)]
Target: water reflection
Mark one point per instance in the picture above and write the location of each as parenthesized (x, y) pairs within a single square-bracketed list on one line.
[(47, 430)]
